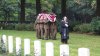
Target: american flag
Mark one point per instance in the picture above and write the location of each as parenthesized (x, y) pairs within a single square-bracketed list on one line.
[(52, 17)]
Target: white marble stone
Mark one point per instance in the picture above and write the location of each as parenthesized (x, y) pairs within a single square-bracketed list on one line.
[(49, 49), (10, 44), (83, 52), (18, 46), (4, 43), (64, 50), (26, 47), (37, 48)]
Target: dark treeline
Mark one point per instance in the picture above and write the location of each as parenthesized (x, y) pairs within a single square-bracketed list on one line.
[(26, 10)]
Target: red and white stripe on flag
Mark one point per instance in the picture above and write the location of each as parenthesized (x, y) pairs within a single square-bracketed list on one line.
[(52, 18), (42, 16)]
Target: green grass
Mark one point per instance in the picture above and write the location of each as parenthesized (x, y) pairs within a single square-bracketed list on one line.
[(76, 41)]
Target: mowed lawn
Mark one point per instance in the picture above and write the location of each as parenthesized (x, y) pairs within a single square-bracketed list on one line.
[(76, 41)]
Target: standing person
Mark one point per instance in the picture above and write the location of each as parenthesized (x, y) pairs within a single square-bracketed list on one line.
[(37, 27), (39, 24), (64, 30), (52, 26), (46, 27)]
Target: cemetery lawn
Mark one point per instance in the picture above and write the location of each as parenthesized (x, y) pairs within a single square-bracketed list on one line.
[(76, 41)]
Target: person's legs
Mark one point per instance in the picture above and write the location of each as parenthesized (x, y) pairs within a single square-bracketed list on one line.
[(38, 31), (55, 32), (49, 32), (46, 33), (41, 31), (62, 41), (66, 41), (38, 34)]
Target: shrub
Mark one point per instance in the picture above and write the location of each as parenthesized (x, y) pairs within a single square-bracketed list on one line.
[(76, 28), (9, 26), (72, 24), (1, 26), (85, 28), (27, 27), (20, 26), (95, 23)]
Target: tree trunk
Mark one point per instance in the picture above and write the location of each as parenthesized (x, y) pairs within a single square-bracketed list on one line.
[(63, 8), (38, 6), (98, 8), (22, 13)]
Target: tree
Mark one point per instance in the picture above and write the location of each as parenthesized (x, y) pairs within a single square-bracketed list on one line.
[(98, 8), (6, 10), (63, 8), (56, 5), (38, 6), (22, 12)]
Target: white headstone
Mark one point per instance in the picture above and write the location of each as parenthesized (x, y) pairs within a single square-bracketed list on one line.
[(49, 49), (18, 46), (83, 52), (37, 48), (26, 47), (4, 38), (64, 50), (4, 43), (10, 44)]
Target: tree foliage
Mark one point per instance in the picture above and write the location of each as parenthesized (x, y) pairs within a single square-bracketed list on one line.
[(82, 10)]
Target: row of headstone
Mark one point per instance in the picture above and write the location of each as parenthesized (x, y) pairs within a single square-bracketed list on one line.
[(64, 48)]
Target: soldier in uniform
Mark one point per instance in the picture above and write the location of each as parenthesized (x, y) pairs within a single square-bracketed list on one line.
[(39, 25), (52, 26), (46, 26)]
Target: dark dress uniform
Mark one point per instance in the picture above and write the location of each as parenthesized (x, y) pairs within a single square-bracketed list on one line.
[(64, 32)]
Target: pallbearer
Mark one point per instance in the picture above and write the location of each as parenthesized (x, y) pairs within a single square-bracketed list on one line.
[(37, 26), (52, 26), (41, 26)]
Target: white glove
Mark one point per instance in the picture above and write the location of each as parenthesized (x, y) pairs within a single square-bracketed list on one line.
[(66, 25)]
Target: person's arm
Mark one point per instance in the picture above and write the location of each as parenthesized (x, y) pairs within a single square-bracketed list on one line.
[(63, 24), (36, 21), (66, 25)]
